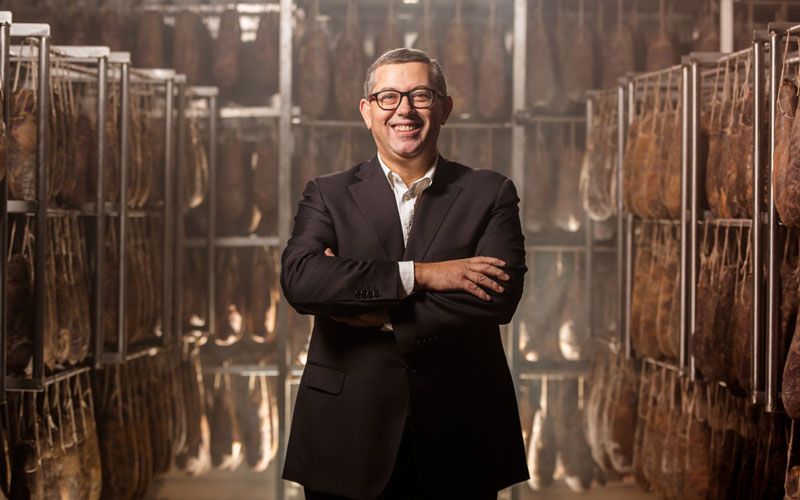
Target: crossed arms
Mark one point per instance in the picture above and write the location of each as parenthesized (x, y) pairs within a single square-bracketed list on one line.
[(484, 289)]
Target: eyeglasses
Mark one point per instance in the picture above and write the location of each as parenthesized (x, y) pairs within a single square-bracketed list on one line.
[(389, 100)]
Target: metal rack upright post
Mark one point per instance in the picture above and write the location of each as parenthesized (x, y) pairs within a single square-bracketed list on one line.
[(5, 41)]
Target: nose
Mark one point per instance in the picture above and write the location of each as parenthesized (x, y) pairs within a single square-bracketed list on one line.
[(405, 107)]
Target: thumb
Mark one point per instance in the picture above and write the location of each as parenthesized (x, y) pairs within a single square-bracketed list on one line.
[(329, 252)]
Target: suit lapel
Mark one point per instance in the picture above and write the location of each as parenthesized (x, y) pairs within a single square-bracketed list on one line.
[(376, 201), (431, 210)]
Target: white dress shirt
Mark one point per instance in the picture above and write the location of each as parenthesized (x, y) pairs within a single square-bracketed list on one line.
[(406, 197)]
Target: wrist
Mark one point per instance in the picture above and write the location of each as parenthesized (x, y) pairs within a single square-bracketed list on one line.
[(419, 275)]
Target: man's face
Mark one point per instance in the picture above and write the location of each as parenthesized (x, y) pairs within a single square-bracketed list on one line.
[(405, 132)]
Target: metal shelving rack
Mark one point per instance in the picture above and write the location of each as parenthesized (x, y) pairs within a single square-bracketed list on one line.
[(693, 68), (774, 230)]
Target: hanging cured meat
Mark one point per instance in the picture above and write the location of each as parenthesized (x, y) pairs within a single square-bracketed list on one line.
[(493, 86), (619, 418), (567, 214), (234, 209), (19, 298), (786, 181), (597, 182), (672, 174), (705, 36), (264, 295), (195, 457), (314, 68), (22, 146), (542, 449), (539, 195), (572, 331), (619, 50), (427, 39), (226, 64), (349, 67), (578, 72), (114, 32), (698, 445), (541, 85), (459, 65), (390, 36), (542, 306), (226, 441), (660, 52), (189, 54), (149, 41), (571, 442), (229, 304), (265, 183), (787, 154), (255, 415), (266, 57)]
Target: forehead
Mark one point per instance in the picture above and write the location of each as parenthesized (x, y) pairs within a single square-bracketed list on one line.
[(402, 76)]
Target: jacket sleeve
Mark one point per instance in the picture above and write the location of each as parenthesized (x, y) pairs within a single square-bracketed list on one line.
[(441, 313), (314, 283)]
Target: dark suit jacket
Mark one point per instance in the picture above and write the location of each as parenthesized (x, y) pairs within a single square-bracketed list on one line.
[(444, 362)]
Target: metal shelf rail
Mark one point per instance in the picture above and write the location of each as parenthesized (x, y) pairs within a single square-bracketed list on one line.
[(5, 40), (205, 100), (41, 33)]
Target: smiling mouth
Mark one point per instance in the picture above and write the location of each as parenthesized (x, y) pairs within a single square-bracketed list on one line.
[(405, 127)]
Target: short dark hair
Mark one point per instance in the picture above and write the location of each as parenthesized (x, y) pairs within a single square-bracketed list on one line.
[(404, 55)]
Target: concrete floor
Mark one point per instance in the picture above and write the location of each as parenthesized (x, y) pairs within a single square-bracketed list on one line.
[(244, 484)]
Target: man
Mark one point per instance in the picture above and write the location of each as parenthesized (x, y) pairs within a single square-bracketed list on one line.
[(409, 263)]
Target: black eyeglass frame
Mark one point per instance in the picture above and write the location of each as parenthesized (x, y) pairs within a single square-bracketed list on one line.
[(407, 95)]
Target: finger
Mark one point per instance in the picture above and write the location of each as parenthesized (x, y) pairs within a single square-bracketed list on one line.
[(487, 260), (489, 270), (469, 286), (329, 252), (484, 281)]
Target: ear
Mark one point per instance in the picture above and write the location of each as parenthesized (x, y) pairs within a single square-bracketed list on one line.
[(363, 107), (447, 108)]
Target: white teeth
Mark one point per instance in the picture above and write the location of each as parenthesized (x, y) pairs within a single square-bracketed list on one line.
[(404, 128)]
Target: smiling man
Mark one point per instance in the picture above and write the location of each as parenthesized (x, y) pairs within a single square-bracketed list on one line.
[(409, 263)]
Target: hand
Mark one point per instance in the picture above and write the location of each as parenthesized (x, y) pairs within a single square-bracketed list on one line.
[(470, 275), (366, 320)]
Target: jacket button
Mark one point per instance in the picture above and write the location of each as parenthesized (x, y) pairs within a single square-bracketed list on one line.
[(370, 294)]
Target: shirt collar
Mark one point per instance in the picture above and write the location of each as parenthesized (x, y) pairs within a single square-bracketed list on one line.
[(425, 181)]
